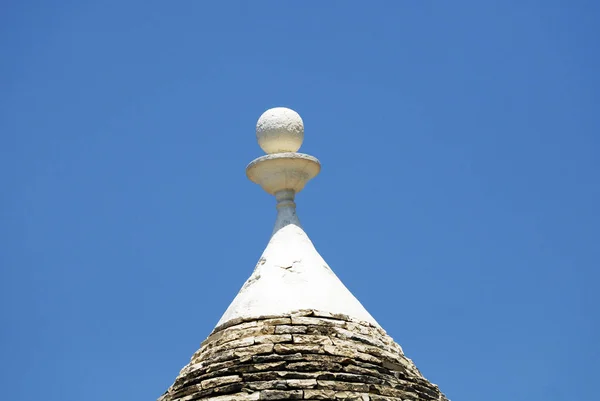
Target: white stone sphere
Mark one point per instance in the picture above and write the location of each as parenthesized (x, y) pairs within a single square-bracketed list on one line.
[(280, 130)]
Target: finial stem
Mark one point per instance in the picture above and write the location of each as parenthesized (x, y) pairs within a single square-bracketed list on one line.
[(285, 198), (286, 210)]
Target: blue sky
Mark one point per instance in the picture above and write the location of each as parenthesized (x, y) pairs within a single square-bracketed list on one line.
[(458, 198)]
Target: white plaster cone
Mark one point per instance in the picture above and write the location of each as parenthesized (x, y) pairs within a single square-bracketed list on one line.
[(290, 275)]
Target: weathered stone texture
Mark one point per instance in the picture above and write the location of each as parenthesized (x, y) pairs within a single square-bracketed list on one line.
[(309, 355)]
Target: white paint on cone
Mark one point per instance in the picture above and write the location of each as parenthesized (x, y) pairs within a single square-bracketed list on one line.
[(291, 275)]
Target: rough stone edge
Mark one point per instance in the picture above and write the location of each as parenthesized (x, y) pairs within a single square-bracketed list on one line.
[(299, 313)]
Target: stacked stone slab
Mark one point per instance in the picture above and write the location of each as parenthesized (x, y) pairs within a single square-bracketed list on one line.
[(307, 355)]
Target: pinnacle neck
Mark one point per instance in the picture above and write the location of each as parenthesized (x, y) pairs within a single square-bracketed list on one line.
[(286, 210)]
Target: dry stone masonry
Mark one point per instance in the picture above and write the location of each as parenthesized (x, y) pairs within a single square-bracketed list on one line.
[(307, 355)]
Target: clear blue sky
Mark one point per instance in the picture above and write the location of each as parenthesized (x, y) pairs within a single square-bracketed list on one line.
[(459, 196)]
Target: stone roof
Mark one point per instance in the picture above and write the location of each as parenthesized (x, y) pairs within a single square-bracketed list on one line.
[(307, 355), (294, 331)]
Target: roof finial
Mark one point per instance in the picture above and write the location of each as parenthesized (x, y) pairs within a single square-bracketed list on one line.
[(280, 132)]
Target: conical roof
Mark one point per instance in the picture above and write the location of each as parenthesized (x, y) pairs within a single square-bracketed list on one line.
[(291, 275), (294, 331)]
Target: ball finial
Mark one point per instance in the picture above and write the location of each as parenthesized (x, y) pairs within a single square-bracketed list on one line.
[(280, 130)]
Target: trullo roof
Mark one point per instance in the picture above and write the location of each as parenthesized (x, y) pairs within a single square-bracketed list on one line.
[(294, 331)]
